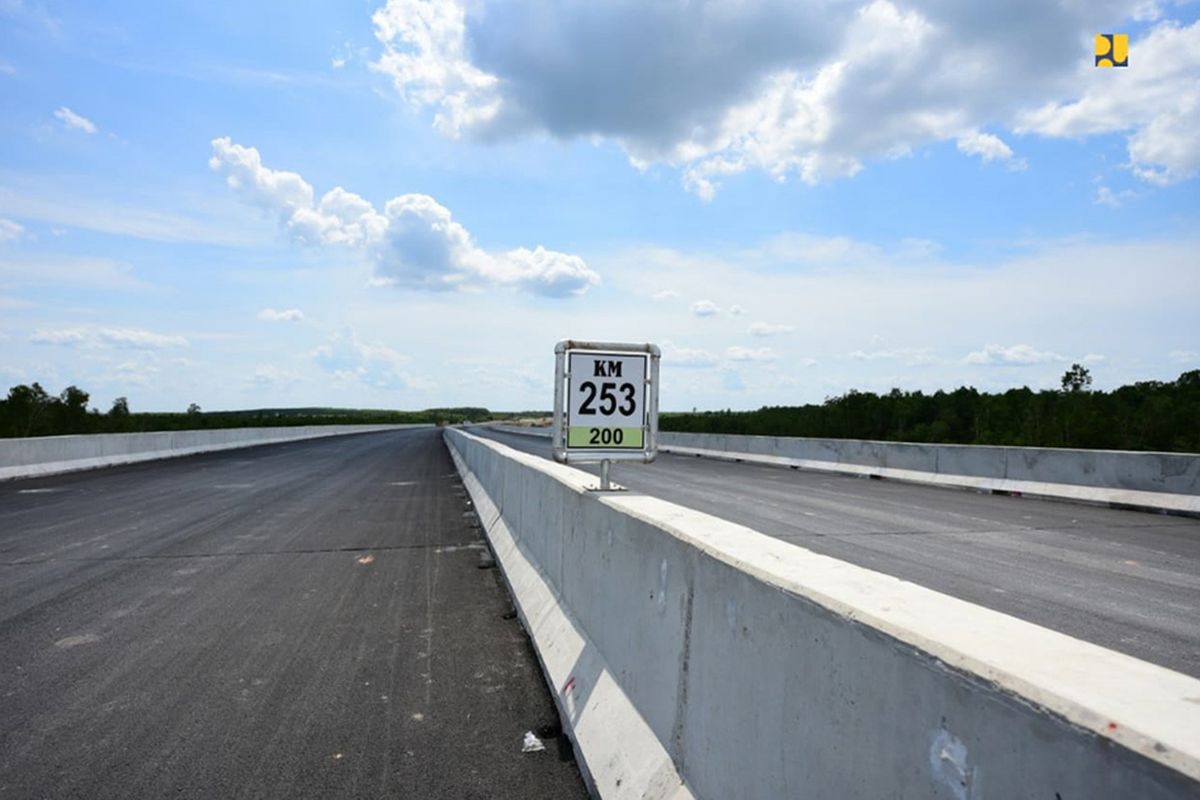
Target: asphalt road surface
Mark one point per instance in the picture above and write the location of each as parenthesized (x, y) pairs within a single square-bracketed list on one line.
[(1126, 580), (304, 620)]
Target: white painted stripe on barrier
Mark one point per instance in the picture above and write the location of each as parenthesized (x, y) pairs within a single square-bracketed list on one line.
[(82, 450), (1152, 711), (619, 755)]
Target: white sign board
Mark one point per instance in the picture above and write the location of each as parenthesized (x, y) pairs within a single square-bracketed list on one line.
[(606, 403)]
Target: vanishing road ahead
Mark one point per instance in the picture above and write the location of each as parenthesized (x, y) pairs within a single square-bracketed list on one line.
[(296, 620), (1127, 580)]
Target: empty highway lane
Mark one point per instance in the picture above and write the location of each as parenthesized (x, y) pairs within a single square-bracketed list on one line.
[(297, 620), (1125, 580)]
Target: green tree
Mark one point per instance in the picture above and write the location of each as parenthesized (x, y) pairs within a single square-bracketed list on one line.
[(119, 420), (72, 407), (1077, 379), (27, 408)]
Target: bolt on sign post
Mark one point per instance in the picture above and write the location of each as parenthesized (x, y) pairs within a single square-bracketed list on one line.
[(605, 403)]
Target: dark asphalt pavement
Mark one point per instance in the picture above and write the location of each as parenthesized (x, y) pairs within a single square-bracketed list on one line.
[(305, 620), (1127, 580)]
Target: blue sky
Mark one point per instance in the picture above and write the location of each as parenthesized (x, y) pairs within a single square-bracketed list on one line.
[(407, 203)]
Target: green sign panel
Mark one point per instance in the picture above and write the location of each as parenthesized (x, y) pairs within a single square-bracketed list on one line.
[(605, 438)]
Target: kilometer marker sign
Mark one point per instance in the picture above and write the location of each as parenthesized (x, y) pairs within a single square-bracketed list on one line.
[(606, 401), (606, 406)]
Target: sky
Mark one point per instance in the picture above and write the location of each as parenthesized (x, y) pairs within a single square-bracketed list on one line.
[(407, 203)]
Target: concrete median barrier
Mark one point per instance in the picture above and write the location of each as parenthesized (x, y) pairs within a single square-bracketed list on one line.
[(51, 455), (1162, 482), (692, 657), (1168, 482)]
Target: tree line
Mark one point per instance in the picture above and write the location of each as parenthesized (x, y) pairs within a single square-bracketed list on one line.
[(32, 411), (1148, 415)]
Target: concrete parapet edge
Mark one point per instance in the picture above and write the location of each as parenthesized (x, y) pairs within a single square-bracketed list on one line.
[(631, 765), (1112, 470), (1160, 502), (55, 455), (939, 461), (819, 674)]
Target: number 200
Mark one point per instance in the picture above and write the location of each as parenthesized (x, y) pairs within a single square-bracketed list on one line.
[(608, 400), (606, 436)]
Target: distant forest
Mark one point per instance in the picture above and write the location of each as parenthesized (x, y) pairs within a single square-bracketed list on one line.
[(31, 411), (1149, 415)]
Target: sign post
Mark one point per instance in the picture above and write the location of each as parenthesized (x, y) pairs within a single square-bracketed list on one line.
[(605, 403)]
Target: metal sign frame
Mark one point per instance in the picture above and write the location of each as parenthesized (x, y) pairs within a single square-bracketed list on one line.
[(562, 359)]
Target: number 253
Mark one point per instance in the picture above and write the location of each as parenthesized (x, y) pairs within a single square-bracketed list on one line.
[(608, 400)]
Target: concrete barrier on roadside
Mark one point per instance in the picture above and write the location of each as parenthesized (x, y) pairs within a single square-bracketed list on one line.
[(51, 455), (1163, 482), (522, 430), (1167, 482), (692, 657), (1174, 473)]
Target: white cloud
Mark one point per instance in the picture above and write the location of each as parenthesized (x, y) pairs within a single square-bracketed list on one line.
[(984, 145), (7, 69), (375, 364), (928, 315), (768, 329), (665, 294), (1015, 355), (674, 356), (30, 16), (541, 271), (284, 315), (1184, 356), (705, 308), (274, 190), (10, 231), (812, 90), (1156, 101), (736, 311), (425, 55), (546, 66), (825, 251), (46, 270), (911, 356), (49, 197), (1093, 358), (415, 242), (12, 304), (133, 373), (97, 338), (1107, 197), (737, 353), (273, 376), (74, 121)]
